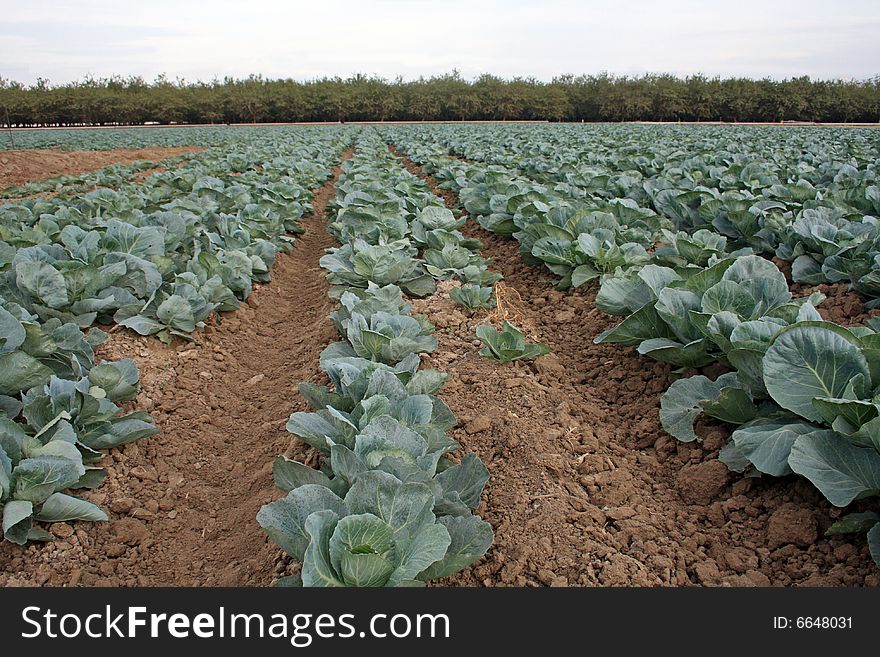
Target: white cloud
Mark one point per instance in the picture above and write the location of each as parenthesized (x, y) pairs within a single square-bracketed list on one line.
[(200, 40)]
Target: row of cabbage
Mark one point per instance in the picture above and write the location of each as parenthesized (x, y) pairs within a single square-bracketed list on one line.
[(112, 176), (162, 255), (808, 196), (388, 507), (805, 392), (157, 257), (102, 139)]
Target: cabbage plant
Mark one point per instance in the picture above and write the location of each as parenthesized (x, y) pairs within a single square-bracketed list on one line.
[(701, 248), (473, 297), (66, 425), (358, 263), (815, 413), (690, 322), (366, 302), (508, 344), (383, 532)]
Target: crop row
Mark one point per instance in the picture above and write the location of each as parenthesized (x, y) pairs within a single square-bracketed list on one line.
[(158, 257), (111, 177), (802, 391), (138, 137), (388, 507), (811, 198)]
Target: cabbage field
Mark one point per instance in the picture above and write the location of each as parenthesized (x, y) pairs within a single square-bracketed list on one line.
[(449, 354)]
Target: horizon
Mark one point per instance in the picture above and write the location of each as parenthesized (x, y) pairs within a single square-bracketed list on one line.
[(353, 77)]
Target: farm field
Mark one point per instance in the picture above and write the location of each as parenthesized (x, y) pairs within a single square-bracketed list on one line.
[(243, 356)]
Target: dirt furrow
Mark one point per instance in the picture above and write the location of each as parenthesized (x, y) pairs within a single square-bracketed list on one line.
[(183, 504), (586, 487)]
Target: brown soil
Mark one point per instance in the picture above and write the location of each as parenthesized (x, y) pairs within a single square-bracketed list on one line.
[(587, 489), (22, 166), (183, 504), (841, 305)]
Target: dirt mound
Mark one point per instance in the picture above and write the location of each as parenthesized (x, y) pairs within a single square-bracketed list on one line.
[(22, 166), (841, 305), (183, 504)]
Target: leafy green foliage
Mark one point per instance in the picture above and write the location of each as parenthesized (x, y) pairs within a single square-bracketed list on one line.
[(728, 311), (382, 533), (66, 424), (472, 297), (508, 344), (158, 257), (161, 256), (697, 196), (703, 207), (389, 507), (358, 263), (447, 96)]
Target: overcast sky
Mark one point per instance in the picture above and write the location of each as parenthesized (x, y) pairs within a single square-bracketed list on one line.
[(64, 41)]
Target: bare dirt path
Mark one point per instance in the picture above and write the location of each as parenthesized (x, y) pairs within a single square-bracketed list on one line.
[(183, 504), (586, 488), (21, 166)]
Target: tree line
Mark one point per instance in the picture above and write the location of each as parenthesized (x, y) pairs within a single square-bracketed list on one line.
[(603, 97)]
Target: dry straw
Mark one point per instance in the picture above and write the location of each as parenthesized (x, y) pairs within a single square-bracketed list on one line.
[(509, 307)]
